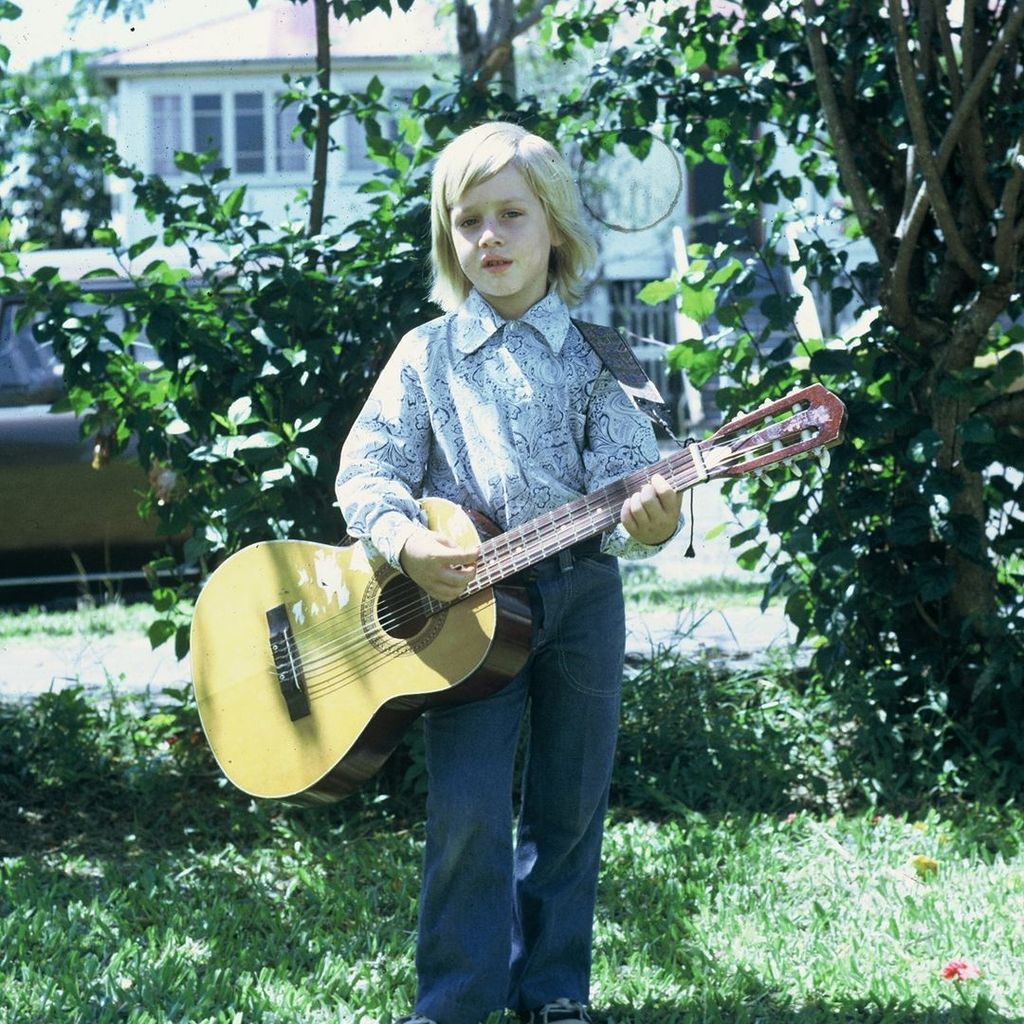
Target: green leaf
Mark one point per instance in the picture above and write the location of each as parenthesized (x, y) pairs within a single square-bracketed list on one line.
[(261, 440), (700, 363), (933, 581), (240, 411), (160, 631), (1009, 370), (659, 291), (234, 201), (141, 246), (190, 163), (911, 525), (978, 430), (832, 361), (698, 303)]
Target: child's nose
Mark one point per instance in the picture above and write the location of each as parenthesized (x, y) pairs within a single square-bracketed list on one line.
[(490, 234)]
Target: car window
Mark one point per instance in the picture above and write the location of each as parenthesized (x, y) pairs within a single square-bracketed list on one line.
[(30, 373)]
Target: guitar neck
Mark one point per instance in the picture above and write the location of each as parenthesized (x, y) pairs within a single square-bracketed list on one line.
[(518, 549)]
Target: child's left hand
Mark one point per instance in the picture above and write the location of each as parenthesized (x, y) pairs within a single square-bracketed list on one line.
[(651, 515)]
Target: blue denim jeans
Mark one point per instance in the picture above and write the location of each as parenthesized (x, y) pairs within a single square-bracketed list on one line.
[(506, 921)]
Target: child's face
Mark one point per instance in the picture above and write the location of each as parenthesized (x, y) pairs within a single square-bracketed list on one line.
[(503, 242)]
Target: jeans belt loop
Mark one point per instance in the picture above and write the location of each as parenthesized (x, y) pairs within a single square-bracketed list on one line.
[(565, 560)]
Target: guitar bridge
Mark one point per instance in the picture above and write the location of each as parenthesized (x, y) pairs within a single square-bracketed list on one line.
[(287, 664)]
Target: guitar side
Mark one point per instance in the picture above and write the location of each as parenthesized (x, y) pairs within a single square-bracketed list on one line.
[(369, 661)]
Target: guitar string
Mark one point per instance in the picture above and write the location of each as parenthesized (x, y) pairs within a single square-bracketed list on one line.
[(348, 671), (401, 615), (501, 547), (501, 561)]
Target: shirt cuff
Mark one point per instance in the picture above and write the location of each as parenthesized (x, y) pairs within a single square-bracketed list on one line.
[(618, 542), (389, 534)]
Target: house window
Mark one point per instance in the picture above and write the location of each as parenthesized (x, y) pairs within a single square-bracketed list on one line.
[(290, 153), (167, 133), (249, 133), (208, 126)]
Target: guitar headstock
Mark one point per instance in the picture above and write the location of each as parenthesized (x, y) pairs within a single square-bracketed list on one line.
[(809, 419)]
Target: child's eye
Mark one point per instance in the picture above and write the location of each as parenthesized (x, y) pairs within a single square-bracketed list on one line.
[(467, 222), (513, 213)]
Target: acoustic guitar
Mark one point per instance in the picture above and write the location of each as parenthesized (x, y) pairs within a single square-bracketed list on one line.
[(309, 661)]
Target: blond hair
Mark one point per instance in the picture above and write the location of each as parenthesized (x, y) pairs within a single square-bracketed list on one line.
[(479, 154)]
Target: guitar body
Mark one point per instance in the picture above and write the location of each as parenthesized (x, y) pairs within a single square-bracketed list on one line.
[(369, 657)]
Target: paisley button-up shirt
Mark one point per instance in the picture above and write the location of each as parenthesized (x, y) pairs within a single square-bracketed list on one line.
[(510, 418)]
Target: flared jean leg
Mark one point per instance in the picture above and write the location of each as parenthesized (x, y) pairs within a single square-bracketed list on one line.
[(574, 715), (465, 919)]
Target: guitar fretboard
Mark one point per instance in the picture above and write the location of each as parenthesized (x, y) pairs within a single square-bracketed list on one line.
[(579, 520)]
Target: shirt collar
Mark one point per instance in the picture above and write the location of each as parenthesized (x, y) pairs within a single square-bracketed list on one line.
[(476, 322)]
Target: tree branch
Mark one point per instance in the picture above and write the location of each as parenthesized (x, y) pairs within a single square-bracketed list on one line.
[(323, 116), (964, 111), (973, 148), (922, 145), (527, 22), (969, 103), (1005, 245), (872, 220), (467, 35), (972, 325), (1006, 410)]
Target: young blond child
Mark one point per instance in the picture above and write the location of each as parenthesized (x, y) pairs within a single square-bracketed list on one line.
[(501, 406)]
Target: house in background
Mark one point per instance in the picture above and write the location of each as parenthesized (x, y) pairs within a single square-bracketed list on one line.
[(216, 86)]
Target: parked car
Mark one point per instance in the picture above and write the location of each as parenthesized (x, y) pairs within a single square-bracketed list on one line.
[(62, 521)]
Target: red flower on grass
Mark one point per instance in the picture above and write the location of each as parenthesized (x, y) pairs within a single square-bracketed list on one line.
[(960, 970)]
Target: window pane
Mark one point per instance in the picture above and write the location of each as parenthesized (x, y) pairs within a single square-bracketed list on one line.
[(208, 125), (249, 158), (166, 133), (291, 153)]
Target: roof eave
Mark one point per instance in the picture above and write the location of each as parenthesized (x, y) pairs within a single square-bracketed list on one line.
[(280, 66)]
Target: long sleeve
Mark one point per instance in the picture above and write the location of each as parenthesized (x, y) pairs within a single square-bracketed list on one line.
[(384, 459), (620, 440)]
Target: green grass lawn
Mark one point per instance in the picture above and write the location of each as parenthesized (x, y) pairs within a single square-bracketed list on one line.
[(309, 916), (746, 879)]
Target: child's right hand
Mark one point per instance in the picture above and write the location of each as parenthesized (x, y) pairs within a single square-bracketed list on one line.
[(441, 568)]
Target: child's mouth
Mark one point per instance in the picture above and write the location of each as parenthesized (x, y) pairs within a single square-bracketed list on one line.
[(496, 263)]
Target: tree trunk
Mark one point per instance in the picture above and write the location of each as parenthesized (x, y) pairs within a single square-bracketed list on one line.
[(323, 116)]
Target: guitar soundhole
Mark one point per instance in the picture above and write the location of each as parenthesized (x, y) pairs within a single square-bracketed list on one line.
[(402, 609)]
